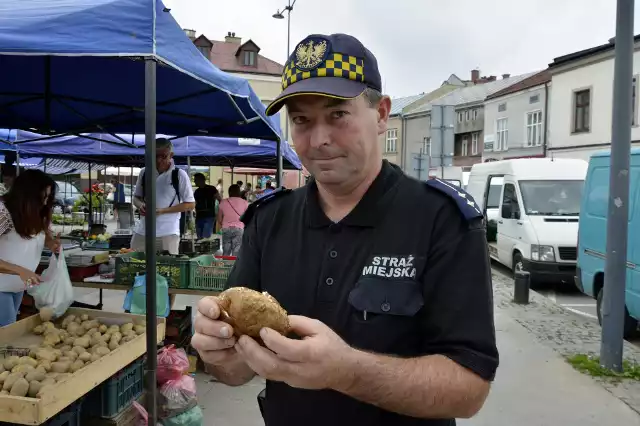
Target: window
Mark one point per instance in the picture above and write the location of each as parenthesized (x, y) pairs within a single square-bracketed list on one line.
[(534, 128), (502, 135), (474, 143), (475, 114), (467, 115), (249, 58), (534, 99), (581, 111), (510, 197), (205, 50), (502, 107), (634, 91), (459, 117), (392, 140), (495, 188), (465, 146), (426, 146)]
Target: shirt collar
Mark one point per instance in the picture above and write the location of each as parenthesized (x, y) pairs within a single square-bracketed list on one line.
[(367, 212)]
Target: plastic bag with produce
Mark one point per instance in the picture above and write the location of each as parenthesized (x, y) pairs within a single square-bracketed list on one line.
[(55, 293), (172, 364)]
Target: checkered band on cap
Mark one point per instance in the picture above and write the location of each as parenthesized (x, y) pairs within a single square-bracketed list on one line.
[(336, 65)]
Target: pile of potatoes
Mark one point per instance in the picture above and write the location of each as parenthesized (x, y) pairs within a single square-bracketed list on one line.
[(77, 342)]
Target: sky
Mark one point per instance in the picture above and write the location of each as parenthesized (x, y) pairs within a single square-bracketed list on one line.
[(418, 43)]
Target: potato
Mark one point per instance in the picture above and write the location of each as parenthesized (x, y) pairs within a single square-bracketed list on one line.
[(126, 327), (72, 355), (84, 317), (44, 365), (79, 349), (64, 334), (67, 359), (20, 388), (126, 339), (37, 375), (77, 365), (68, 342), (27, 360), (45, 389), (82, 342), (72, 327), (62, 377), (139, 329), (2, 370), (85, 356), (113, 345), (51, 339), (130, 333), (11, 362), (68, 320), (60, 367), (95, 357), (113, 328), (34, 388), (46, 354), (107, 336), (3, 376), (103, 328), (96, 340), (11, 379), (46, 314), (101, 350), (48, 325), (65, 348), (38, 329), (248, 311), (23, 368), (78, 320)]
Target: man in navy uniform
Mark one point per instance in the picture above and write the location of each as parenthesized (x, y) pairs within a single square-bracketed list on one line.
[(386, 279)]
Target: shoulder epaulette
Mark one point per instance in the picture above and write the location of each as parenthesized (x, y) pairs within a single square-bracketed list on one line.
[(251, 210), (464, 201)]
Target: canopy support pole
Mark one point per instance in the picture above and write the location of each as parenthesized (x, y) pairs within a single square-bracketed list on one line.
[(150, 234)]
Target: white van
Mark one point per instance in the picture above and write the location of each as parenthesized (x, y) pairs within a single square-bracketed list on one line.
[(532, 207)]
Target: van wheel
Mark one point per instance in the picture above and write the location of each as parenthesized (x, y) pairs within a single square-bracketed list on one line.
[(518, 265), (630, 326)]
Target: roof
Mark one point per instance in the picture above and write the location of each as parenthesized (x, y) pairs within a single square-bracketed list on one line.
[(535, 80), (223, 55), (398, 104), (581, 54), (534, 168), (471, 94)]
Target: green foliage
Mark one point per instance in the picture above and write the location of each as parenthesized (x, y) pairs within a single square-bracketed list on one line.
[(591, 365)]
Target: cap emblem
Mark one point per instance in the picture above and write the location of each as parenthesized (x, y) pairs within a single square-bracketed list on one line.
[(310, 54)]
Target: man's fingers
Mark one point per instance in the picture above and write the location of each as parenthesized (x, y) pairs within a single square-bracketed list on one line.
[(203, 342), (208, 306), (261, 360), (212, 328), (289, 349), (305, 326)]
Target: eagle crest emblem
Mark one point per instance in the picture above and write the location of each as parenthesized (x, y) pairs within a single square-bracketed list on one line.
[(310, 54)]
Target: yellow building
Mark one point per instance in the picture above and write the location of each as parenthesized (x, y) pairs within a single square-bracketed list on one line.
[(242, 58)]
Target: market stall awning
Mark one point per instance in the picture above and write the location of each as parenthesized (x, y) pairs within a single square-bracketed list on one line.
[(75, 66)]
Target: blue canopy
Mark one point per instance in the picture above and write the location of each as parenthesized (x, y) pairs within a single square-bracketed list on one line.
[(202, 150), (76, 66)]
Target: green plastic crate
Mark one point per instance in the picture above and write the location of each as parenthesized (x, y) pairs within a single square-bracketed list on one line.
[(210, 273), (117, 393), (178, 272)]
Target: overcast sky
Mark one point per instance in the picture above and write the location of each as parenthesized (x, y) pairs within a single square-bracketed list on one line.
[(418, 43)]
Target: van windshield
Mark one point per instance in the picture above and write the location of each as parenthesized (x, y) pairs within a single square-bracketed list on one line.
[(552, 197)]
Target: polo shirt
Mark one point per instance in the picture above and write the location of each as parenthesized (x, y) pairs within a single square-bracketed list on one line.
[(405, 273), (166, 224)]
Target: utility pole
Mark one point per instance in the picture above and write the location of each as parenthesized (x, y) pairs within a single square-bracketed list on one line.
[(613, 308)]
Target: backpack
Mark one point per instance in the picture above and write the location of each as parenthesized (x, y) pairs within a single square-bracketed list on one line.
[(175, 182)]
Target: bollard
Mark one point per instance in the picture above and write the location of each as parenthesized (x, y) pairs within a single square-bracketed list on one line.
[(521, 286)]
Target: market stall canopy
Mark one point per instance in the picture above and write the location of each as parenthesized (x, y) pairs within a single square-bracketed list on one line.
[(78, 66), (202, 150)]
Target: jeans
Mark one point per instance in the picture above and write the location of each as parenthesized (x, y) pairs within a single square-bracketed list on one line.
[(231, 241), (204, 227), (9, 305)]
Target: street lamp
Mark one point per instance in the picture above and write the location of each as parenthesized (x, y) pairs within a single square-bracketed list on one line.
[(279, 15)]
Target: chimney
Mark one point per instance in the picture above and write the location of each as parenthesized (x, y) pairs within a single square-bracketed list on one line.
[(231, 38), (504, 76), (475, 75), (190, 33)]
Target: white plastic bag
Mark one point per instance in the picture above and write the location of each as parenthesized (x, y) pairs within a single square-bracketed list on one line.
[(55, 290)]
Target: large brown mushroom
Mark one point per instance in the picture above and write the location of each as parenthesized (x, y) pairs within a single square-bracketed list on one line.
[(248, 311)]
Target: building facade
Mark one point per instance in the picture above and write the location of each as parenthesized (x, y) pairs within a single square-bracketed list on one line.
[(582, 101), (391, 141), (515, 120)]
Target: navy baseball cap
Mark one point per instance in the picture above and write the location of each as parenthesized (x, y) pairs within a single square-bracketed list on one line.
[(337, 66)]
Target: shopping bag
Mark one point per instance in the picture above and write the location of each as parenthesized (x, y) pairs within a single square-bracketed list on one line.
[(55, 290), (135, 300)]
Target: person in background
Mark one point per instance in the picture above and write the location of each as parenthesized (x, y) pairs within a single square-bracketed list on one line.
[(268, 189), (231, 209), (246, 192), (219, 187), (206, 196), (240, 185), (25, 218), (174, 195), (120, 205)]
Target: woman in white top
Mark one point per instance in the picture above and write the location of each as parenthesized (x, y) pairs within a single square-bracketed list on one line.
[(25, 218)]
